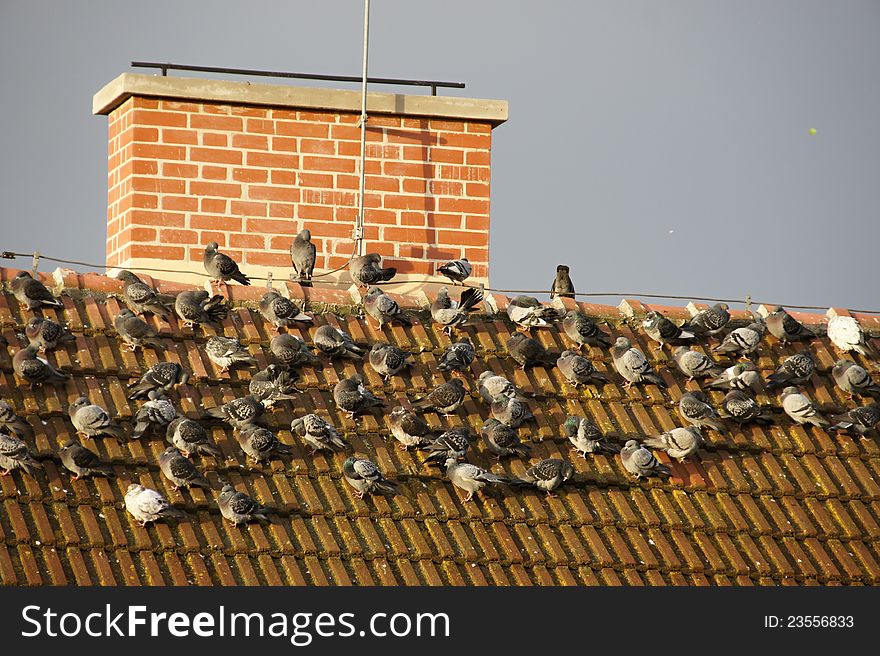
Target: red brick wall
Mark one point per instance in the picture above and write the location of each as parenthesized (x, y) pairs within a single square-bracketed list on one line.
[(182, 174)]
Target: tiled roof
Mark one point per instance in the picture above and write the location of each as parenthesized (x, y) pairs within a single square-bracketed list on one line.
[(781, 504)]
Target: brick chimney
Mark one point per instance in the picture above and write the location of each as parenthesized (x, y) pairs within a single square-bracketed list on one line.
[(249, 165)]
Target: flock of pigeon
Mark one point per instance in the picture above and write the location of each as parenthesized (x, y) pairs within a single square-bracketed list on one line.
[(506, 405)]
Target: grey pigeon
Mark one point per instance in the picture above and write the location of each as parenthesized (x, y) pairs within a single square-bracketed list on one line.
[(364, 476), (785, 327), (14, 454), (366, 270), (581, 329), (36, 370), (180, 471), (239, 508), (14, 424), (318, 433), (92, 420), (743, 409), (82, 463), (562, 286), (143, 298), (197, 307), (45, 334), (695, 409), (164, 376), (333, 342), (742, 341), (528, 352), (272, 384), (239, 413), (800, 408), (640, 462), (353, 398), (847, 335), (222, 267), (31, 293), (383, 308), (408, 428), (457, 270), (471, 478), (453, 443), (282, 312), (678, 443), (494, 388), (502, 440), (259, 443), (451, 314), (694, 364), (457, 356), (578, 370), (155, 414), (226, 352), (302, 257), (632, 364), (858, 420), (446, 398), (147, 505), (709, 321), (548, 474), (190, 437), (388, 360), (528, 312), (136, 332), (512, 412), (854, 379), (586, 437), (794, 370), (291, 352), (662, 330), (742, 376)]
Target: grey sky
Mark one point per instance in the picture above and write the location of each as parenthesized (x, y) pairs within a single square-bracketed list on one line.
[(652, 146)]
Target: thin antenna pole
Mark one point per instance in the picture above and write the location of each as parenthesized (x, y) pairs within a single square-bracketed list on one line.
[(359, 228)]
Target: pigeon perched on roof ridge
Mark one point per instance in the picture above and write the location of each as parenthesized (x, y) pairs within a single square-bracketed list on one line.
[(528, 312), (221, 267), (847, 335), (581, 329), (662, 330), (456, 270), (742, 341), (366, 270), (709, 321), (198, 306), (143, 298), (451, 314), (785, 327), (384, 309), (303, 255), (32, 294)]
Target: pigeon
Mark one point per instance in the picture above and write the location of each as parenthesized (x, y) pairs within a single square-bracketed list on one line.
[(548, 475), (353, 398), (528, 352), (408, 428), (387, 360), (847, 335), (578, 370), (785, 327), (365, 270), (471, 478), (457, 357), (502, 440), (678, 443), (146, 505), (445, 398), (45, 334), (35, 370), (226, 352), (302, 257), (383, 308), (164, 376), (800, 408), (495, 388), (794, 370), (662, 330), (742, 341), (13, 423), (82, 462), (156, 413), (694, 364), (695, 409), (858, 420), (14, 454), (291, 352), (239, 508), (197, 306), (180, 471), (639, 461), (562, 286), (586, 437), (457, 270), (511, 412), (742, 376), (854, 379), (239, 413), (281, 312), (743, 409), (136, 332), (190, 437), (142, 298), (259, 443), (92, 420), (451, 315), (31, 294), (335, 343), (272, 384), (222, 268), (527, 312), (364, 476), (581, 329), (453, 443), (632, 364), (709, 321), (318, 433)]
